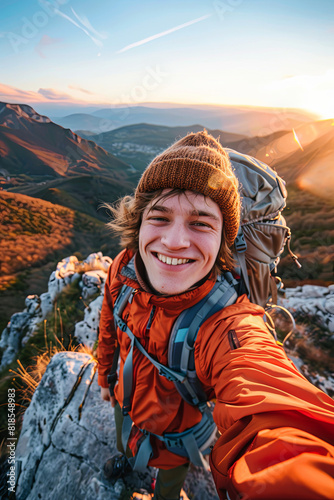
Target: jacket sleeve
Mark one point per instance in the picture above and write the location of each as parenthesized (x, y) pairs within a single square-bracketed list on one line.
[(277, 429), (107, 334)]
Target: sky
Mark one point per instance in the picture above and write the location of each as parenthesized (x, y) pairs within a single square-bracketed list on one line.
[(228, 52)]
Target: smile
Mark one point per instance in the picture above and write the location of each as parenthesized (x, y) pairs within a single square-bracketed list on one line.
[(171, 261)]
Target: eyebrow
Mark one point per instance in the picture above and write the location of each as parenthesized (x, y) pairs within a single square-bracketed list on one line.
[(194, 213)]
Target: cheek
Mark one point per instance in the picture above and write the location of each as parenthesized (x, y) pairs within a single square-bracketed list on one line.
[(215, 248), (146, 235)]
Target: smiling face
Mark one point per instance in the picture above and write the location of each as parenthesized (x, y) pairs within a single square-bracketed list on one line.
[(179, 240)]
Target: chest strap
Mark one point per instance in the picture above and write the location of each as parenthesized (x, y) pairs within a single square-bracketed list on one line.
[(193, 444)]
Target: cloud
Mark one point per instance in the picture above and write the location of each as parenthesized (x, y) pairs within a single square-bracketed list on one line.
[(53, 95), (305, 81), (45, 41), (76, 87), (86, 27), (163, 33), (9, 93), (85, 22)]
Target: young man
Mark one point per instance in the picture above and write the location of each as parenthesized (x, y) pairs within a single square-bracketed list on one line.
[(276, 427)]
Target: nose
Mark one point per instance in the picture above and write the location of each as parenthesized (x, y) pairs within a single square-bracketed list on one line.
[(175, 236)]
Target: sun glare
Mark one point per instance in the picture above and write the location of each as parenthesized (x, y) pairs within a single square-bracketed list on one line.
[(296, 139)]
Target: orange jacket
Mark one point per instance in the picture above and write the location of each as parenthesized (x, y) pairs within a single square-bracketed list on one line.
[(275, 426)]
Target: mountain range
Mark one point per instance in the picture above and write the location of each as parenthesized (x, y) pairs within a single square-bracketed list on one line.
[(31, 144), (44, 161), (235, 119)]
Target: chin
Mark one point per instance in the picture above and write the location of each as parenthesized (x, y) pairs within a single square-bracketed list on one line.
[(171, 289)]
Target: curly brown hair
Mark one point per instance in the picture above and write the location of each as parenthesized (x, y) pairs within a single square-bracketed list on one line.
[(127, 217)]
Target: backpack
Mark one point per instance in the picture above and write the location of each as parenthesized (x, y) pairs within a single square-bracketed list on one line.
[(260, 242), (263, 232)]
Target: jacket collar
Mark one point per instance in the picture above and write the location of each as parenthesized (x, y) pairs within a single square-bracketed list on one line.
[(130, 272)]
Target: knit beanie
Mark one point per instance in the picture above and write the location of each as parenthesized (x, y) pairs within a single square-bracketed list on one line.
[(197, 162)]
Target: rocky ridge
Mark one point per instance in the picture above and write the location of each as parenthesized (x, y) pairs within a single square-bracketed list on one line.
[(67, 428), (68, 432)]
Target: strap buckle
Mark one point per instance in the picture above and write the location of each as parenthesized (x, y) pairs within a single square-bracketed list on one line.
[(240, 243), (167, 374)]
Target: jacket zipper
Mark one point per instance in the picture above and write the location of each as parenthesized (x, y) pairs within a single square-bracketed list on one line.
[(233, 340)]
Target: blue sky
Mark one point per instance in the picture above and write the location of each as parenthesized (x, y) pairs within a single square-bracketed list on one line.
[(250, 52)]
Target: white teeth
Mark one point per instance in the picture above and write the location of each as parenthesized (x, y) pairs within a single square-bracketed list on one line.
[(170, 261)]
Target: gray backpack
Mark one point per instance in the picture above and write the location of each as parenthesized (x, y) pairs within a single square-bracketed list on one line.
[(263, 232)]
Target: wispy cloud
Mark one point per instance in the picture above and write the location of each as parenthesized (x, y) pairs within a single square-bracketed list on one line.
[(13, 94), (45, 95), (9, 93), (163, 33), (54, 95), (85, 22), (76, 87), (86, 27), (306, 81)]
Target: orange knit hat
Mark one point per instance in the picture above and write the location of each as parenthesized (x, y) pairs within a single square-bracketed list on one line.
[(197, 162)]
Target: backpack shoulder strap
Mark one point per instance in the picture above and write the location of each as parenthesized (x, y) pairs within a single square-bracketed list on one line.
[(184, 333)]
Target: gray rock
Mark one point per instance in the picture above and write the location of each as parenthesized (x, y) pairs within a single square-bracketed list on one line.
[(317, 301), (93, 282), (92, 271), (12, 336), (315, 291), (329, 304), (86, 330), (67, 429), (67, 435)]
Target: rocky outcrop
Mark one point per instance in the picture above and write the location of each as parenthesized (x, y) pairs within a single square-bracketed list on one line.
[(68, 433), (86, 330), (317, 301), (91, 273), (22, 326)]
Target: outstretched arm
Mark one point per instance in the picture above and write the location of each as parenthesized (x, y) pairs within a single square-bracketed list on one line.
[(277, 428)]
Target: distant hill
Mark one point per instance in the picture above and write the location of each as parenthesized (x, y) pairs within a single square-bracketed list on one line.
[(303, 155), (85, 193), (78, 121), (41, 159), (34, 236), (138, 144), (32, 145), (243, 120)]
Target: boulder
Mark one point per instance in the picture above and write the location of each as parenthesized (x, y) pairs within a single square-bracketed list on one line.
[(92, 272), (67, 435), (93, 282), (316, 301), (97, 261), (86, 330), (12, 336)]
